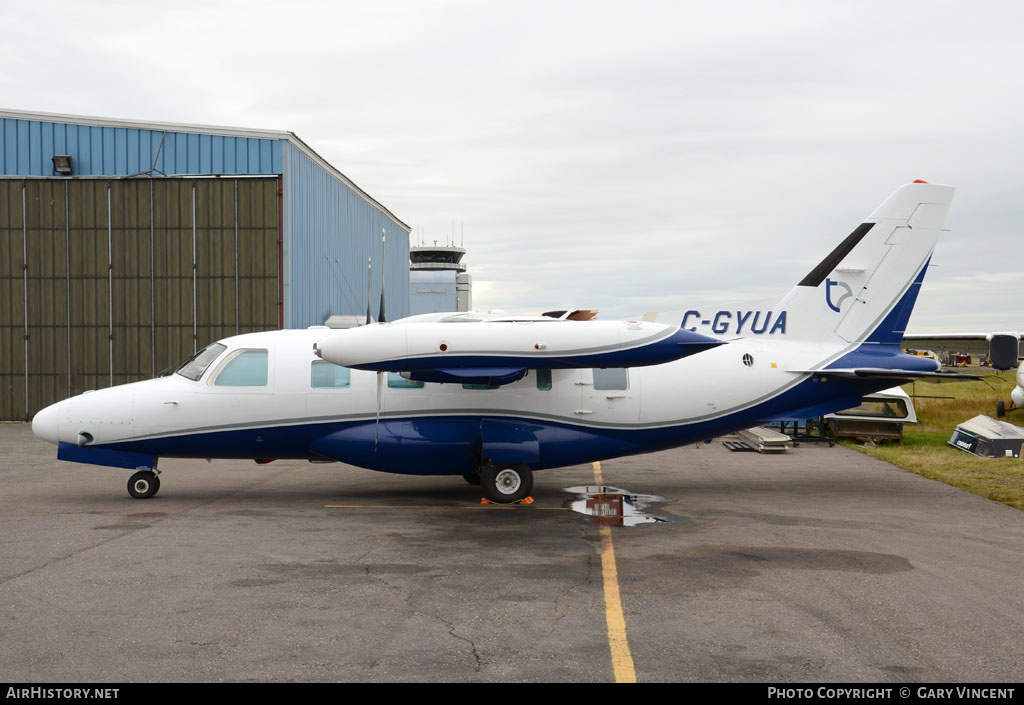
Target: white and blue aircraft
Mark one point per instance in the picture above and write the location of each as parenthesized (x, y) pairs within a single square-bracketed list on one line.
[(495, 397)]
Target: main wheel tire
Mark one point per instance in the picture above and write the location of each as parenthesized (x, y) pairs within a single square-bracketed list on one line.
[(505, 484), (143, 485), (1000, 408)]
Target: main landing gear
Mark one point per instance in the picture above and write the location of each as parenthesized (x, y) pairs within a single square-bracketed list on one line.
[(506, 483), (143, 484)]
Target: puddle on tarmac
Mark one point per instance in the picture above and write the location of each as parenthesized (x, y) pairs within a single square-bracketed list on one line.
[(612, 506)]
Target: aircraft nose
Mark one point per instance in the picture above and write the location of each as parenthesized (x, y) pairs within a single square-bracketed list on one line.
[(46, 423)]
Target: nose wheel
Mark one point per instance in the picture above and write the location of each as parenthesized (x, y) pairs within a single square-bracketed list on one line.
[(143, 484)]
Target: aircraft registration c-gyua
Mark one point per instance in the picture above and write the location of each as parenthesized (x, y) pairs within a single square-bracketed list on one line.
[(494, 398)]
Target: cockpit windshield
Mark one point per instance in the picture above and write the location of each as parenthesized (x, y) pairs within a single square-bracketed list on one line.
[(193, 367)]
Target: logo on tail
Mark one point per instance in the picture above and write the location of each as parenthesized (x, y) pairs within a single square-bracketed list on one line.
[(828, 294)]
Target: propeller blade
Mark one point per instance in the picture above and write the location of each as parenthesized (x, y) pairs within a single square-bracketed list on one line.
[(380, 388), (382, 318), (369, 289)]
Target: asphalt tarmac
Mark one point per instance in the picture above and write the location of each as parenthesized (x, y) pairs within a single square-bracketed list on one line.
[(819, 564)]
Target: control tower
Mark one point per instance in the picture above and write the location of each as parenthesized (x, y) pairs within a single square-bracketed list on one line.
[(438, 280)]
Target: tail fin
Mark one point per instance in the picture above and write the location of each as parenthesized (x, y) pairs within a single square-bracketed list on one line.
[(865, 289)]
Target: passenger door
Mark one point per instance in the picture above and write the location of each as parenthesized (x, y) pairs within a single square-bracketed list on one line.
[(609, 396)]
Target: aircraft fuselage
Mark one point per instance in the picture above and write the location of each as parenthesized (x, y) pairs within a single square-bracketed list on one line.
[(547, 419)]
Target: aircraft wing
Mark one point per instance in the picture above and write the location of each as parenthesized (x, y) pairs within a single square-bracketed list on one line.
[(488, 350)]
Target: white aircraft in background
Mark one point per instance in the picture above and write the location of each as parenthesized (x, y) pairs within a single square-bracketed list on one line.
[(495, 397)]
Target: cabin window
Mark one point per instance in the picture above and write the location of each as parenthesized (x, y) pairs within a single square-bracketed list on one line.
[(327, 375), (544, 379), (194, 367), (611, 378), (248, 368), (397, 381)]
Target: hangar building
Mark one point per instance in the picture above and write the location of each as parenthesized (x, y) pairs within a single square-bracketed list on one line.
[(125, 246)]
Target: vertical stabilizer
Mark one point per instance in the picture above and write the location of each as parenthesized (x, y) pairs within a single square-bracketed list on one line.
[(865, 289)]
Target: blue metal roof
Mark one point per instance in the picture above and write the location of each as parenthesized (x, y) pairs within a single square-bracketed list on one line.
[(28, 146)]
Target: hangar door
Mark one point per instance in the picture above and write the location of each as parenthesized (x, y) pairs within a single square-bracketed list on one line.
[(104, 282)]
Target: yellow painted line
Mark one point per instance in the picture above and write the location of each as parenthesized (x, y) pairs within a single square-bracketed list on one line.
[(491, 507), (622, 659)]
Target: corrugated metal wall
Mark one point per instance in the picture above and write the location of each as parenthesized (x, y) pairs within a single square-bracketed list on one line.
[(27, 148), (129, 276), (329, 234)]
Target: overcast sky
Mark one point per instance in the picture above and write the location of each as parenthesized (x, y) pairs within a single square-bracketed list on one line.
[(621, 156)]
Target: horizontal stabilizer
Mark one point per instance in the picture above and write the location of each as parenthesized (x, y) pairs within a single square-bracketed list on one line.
[(882, 373)]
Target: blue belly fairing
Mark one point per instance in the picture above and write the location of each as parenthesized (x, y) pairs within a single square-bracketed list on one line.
[(449, 443)]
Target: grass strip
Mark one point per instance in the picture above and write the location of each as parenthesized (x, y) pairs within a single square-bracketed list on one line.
[(925, 448)]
